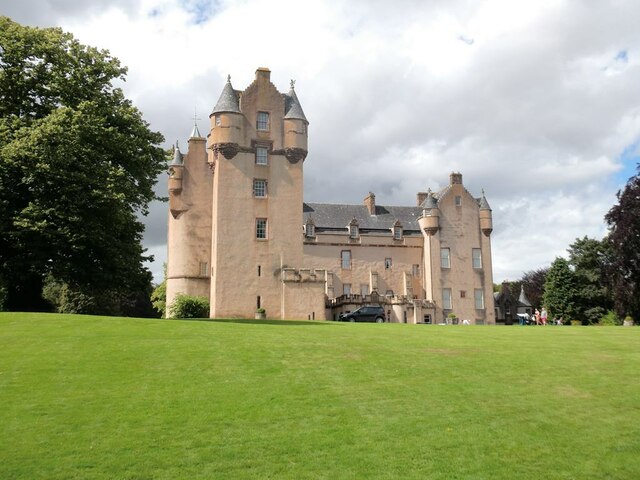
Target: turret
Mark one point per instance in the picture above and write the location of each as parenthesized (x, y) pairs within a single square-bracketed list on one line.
[(430, 220), (175, 170), (486, 222), (295, 127), (226, 124)]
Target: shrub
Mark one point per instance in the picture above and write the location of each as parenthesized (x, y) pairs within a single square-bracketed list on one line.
[(186, 306), (260, 310), (628, 319), (610, 319)]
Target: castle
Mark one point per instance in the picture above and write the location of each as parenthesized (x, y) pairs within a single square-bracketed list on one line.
[(241, 235)]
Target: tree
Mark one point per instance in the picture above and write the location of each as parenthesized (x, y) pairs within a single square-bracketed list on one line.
[(560, 290), (624, 239), (77, 167), (590, 260), (159, 295)]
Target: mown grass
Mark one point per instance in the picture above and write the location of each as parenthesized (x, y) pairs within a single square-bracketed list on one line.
[(108, 398)]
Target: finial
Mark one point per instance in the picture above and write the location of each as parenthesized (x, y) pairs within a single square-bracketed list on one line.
[(177, 146), (228, 78), (483, 192), (429, 191), (293, 84)]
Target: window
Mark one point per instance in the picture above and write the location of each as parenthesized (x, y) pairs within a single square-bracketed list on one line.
[(310, 230), (387, 263), (262, 122), (458, 201), (353, 231), (364, 289), (445, 258), (259, 188), (258, 301), (463, 294), (388, 293), (476, 255), (259, 270), (261, 156), (397, 233), (345, 258), (204, 269), (346, 289), (218, 121), (261, 228), (479, 297), (415, 270), (446, 299)]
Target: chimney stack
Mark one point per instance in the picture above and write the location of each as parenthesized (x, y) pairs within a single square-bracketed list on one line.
[(370, 202), (421, 197)]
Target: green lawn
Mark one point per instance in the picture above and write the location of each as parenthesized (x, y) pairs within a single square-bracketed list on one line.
[(95, 397)]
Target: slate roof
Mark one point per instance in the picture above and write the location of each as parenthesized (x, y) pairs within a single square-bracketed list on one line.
[(292, 105), (337, 216), (195, 133), (484, 205), (228, 101)]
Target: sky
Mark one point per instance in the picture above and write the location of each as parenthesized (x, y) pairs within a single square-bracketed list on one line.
[(537, 103)]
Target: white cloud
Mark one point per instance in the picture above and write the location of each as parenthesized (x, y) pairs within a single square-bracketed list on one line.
[(532, 101)]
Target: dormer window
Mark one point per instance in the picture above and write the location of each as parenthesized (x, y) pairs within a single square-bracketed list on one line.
[(354, 231), (262, 122), (397, 230), (310, 229)]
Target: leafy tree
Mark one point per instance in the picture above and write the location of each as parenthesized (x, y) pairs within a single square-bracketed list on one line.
[(624, 239), (159, 296), (561, 290), (77, 167), (590, 260)]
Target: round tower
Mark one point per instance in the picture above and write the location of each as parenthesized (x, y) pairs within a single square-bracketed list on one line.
[(430, 220), (226, 124), (486, 221), (295, 127)]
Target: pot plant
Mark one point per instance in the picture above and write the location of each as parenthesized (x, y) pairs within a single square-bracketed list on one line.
[(261, 314)]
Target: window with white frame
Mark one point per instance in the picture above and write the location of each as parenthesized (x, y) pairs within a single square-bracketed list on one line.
[(345, 259), (259, 188), (445, 258), (262, 156), (310, 230), (262, 122), (353, 231), (218, 121), (364, 289), (446, 299), (397, 233), (261, 228), (476, 255), (346, 289), (478, 294)]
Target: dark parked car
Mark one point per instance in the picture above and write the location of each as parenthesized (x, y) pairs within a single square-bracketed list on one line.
[(369, 313)]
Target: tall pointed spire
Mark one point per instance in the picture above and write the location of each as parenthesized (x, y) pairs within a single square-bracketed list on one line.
[(228, 101), (292, 105), (195, 133)]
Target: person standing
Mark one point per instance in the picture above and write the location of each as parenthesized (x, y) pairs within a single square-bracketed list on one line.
[(543, 316), (537, 316)]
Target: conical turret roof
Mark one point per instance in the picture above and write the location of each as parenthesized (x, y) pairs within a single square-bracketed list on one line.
[(228, 101), (292, 105), (177, 157), (484, 205), (430, 201), (195, 133)]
